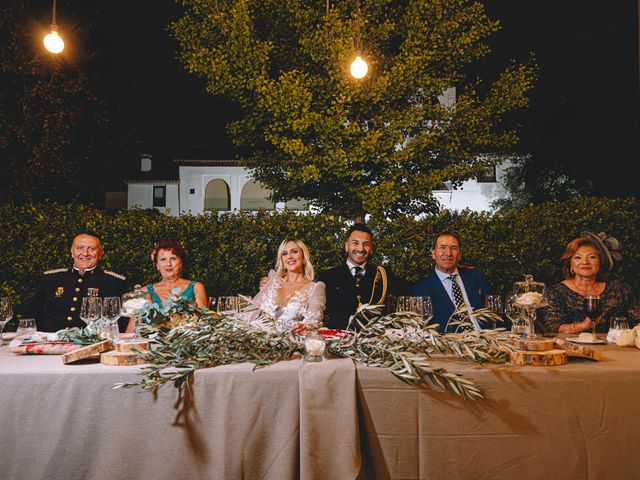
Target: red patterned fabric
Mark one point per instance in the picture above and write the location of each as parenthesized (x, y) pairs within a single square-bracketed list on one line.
[(45, 348)]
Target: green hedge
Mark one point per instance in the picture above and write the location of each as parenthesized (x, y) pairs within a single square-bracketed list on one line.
[(229, 253)]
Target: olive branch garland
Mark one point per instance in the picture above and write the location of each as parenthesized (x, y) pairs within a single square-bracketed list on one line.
[(399, 342)]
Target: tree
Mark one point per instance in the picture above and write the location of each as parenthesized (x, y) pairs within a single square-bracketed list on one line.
[(51, 120), (378, 145)]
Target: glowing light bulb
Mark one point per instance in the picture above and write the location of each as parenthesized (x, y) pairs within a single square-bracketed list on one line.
[(53, 42), (359, 67)]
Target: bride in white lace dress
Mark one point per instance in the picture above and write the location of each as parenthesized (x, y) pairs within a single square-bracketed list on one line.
[(290, 294)]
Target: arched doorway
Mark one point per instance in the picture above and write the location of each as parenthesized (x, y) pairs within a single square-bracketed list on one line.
[(217, 196), (255, 197)]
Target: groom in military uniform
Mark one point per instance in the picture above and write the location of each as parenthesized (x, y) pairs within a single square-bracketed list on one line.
[(357, 281), (57, 304)]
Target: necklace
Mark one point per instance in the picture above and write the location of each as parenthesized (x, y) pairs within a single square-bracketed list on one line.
[(585, 291)]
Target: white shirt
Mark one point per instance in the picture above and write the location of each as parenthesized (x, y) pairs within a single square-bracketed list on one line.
[(447, 283), (352, 267)]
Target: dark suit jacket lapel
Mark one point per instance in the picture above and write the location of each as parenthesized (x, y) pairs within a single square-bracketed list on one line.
[(471, 287), (438, 288)]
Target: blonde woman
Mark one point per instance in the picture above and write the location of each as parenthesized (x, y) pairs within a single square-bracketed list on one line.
[(290, 295)]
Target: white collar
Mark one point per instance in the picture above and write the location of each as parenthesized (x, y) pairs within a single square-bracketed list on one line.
[(445, 276), (352, 265), (82, 272)]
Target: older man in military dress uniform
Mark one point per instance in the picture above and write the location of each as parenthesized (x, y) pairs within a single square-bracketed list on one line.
[(57, 304)]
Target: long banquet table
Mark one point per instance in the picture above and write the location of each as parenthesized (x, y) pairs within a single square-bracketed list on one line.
[(325, 421)]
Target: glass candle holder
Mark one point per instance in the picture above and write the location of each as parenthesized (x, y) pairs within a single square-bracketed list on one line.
[(314, 347)]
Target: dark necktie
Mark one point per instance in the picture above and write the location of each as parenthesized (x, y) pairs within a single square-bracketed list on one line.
[(358, 273), (455, 289)]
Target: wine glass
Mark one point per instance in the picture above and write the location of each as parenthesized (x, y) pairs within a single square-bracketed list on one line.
[(6, 313), (593, 309), (90, 310), (420, 305), (228, 305), (494, 303), (111, 311)]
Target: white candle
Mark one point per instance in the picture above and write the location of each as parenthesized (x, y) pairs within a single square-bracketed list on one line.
[(314, 347)]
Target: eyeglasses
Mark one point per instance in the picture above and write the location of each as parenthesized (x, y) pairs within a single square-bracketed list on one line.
[(444, 248)]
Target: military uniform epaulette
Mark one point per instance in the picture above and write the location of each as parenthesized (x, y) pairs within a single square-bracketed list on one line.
[(114, 274), (56, 270)]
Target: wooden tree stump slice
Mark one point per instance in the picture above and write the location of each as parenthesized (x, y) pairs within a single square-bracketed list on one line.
[(574, 350), (534, 344), (128, 346), (548, 358), (120, 359), (90, 351)]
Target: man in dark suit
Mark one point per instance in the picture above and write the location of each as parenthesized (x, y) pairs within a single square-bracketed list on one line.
[(57, 304), (450, 284), (357, 281)]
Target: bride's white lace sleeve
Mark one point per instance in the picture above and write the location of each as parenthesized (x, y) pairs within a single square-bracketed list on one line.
[(317, 301)]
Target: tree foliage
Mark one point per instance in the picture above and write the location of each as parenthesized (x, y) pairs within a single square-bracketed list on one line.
[(51, 120), (378, 145)]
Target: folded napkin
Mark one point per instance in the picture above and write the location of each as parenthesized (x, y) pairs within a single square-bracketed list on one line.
[(627, 338), (45, 348), (41, 343)]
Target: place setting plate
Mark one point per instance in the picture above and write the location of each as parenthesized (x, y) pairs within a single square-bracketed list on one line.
[(598, 341)]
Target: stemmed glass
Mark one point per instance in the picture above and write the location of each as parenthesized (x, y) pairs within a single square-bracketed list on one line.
[(111, 311), (593, 309), (420, 305), (517, 315), (228, 305), (6, 314), (494, 303), (90, 310)]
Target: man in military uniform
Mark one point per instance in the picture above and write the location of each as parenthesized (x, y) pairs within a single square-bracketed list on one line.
[(357, 281), (57, 304)]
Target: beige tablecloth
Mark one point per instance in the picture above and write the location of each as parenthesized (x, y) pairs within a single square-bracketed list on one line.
[(295, 420), (576, 421), (289, 420)]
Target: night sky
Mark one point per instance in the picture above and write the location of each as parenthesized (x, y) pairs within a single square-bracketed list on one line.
[(587, 54)]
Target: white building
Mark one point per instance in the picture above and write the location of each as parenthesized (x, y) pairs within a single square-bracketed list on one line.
[(225, 185)]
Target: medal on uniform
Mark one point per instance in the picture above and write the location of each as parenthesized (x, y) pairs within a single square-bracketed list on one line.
[(92, 292), (59, 291)]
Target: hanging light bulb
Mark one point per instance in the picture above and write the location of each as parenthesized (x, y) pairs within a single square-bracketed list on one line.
[(359, 68), (53, 42)]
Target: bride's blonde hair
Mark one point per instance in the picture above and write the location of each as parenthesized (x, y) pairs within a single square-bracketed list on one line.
[(307, 267)]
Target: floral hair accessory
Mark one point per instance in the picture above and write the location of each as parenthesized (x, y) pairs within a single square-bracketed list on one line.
[(154, 252)]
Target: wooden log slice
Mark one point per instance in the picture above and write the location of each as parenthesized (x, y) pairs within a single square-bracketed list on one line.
[(128, 345), (534, 344), (574, 350), (120, 359), (90, 351), (547, 358)]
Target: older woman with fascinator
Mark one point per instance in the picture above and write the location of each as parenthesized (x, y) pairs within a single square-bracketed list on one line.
[(169, 258), (290, 294), (585, 264)]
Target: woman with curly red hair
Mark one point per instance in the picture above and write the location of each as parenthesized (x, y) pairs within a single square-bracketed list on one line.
[(169, 258)]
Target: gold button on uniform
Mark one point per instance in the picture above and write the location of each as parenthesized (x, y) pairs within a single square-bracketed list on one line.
[(73, 309), (77, 289), (75, 299), (69, 318), (79, 280)]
